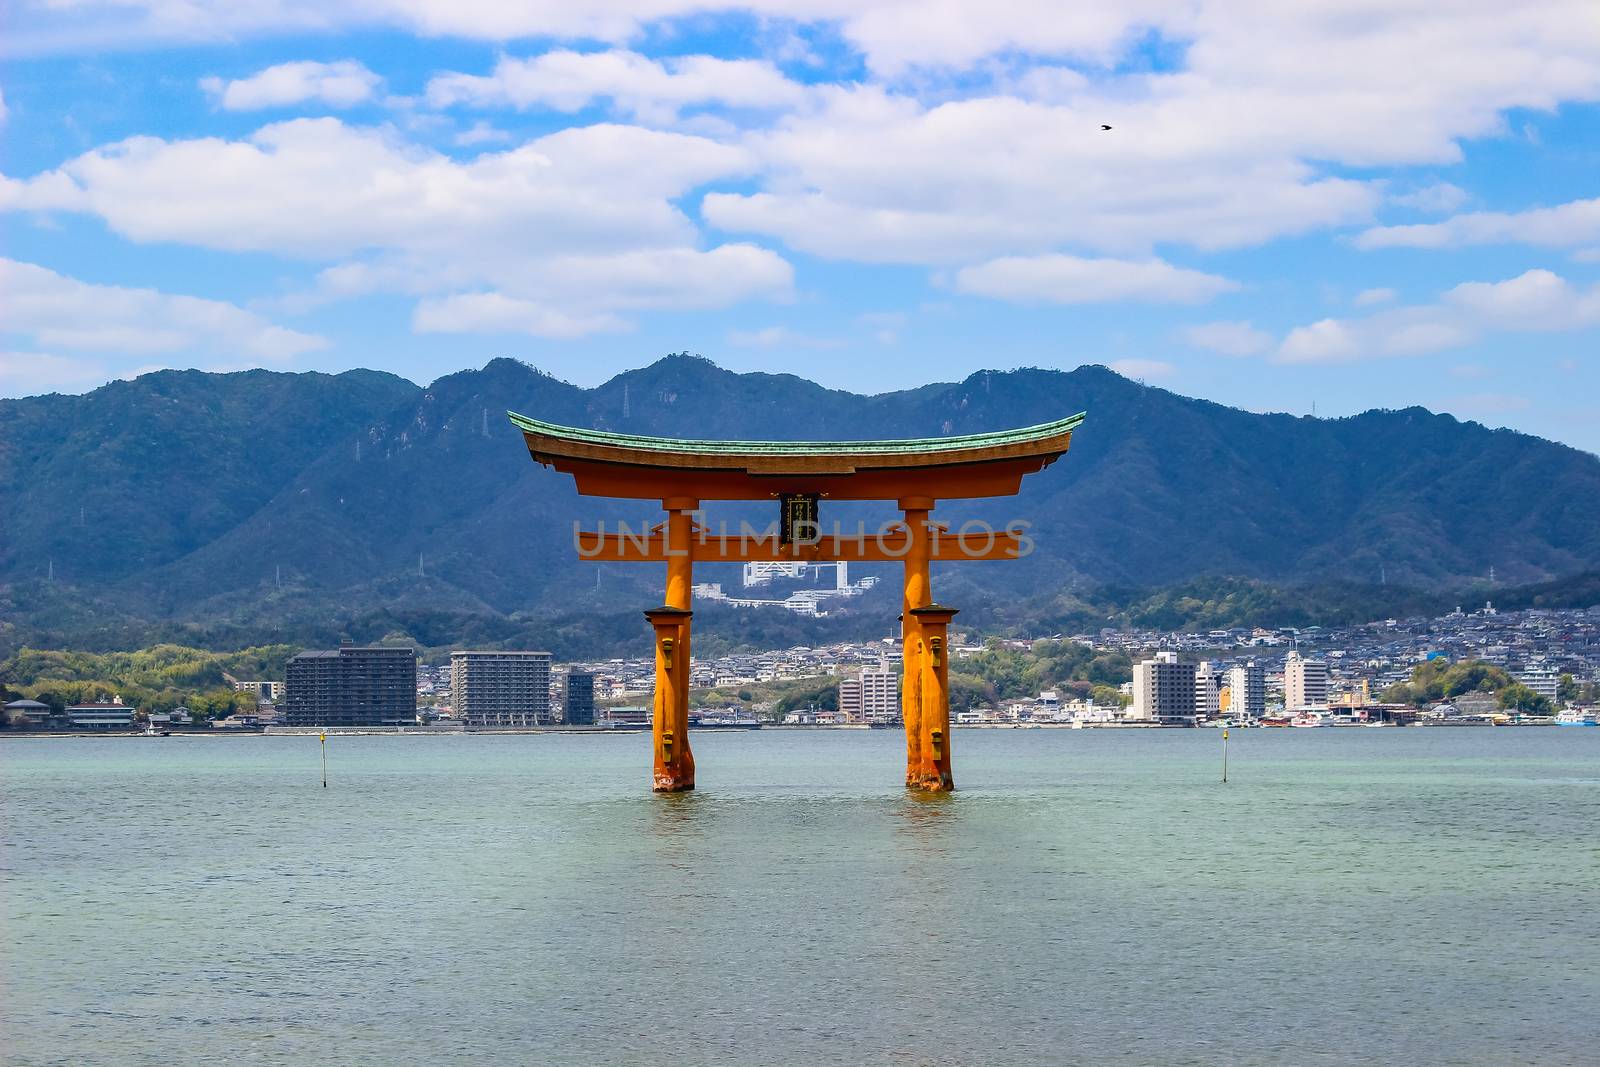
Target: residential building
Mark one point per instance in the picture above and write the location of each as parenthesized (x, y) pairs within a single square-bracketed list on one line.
[(1542, 680), (501, 688), (871, 696), (1305, 683), (351, 686), (112, 715), (580, 699), (1163, 690), (1208, 682), (1247, 691), (28, 712)]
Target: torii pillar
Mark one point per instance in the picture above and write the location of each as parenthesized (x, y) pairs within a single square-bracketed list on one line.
[(673, 770)]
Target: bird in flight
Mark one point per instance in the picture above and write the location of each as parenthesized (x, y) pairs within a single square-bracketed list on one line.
[(1103, 126)]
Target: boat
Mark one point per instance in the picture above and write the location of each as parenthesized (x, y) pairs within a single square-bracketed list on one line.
[(1574, 717), (1306, 719), (725, 722)]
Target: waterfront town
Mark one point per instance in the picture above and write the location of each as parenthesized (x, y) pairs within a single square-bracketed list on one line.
[(1531, 666)]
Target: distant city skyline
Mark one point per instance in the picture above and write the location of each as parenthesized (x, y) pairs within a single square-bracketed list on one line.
[(1325, 206)]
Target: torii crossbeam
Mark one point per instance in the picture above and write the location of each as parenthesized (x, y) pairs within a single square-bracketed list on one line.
[(916, 474)]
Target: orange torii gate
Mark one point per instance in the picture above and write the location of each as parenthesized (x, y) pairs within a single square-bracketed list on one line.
[(916, 474)]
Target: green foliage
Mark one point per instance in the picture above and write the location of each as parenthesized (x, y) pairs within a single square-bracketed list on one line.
[(1567, 689), (1438, 680), (152, 679), (1518, 697), (1003, 673), (822, 694)]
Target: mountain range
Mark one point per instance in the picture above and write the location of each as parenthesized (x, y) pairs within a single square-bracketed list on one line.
[(260, 504)]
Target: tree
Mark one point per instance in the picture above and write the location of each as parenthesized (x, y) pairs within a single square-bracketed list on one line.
[(1519, 697), (1567, 689)]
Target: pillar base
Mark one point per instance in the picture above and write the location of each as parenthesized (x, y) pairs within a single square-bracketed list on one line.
[(672, 766)]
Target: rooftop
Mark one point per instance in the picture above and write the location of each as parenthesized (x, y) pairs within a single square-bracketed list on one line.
[(641, 467)]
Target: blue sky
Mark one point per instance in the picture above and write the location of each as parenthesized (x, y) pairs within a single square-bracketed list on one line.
[(1345, 204)]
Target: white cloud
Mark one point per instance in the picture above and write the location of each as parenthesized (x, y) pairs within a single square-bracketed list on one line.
[(342, 84), (1564, 226), (875, 176), (498, 313), (1141, 369), (4, 114), (478, 133), (583, 219), (1370, 297), (1229, 338), (1536, 301), (1061, 279), (55, 312), (31, 373), (634, 84), (779, 337), (1436, 198)]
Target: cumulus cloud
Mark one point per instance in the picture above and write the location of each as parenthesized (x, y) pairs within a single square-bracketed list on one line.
[(342, 84), (1229, 338), (779, 337), (31, 373), (583, 219), (1062, 279), (1141, 369), (57, 312), (1436, 198), (1564, 226), (634, 84), (1536, 301), (1369, 297)]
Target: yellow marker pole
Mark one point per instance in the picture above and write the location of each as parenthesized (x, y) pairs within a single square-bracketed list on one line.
[(325, 761), (1224, 755)]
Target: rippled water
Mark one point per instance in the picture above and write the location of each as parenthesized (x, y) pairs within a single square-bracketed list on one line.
[(1394, 896)]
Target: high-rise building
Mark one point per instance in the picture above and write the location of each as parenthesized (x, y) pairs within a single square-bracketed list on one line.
[(850, 699), (1305, 683), (1163, 689), (580, 699), (871, 696), (1542, 680), (351, 686), (1207, 691), (1247, 691), (501, 688)]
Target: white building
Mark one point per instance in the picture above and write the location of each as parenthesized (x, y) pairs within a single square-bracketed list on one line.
[(1305, 683), (871, 696), (501, 688), (1163, 690), (1207, 691), (1247, 691), (1542, 680)]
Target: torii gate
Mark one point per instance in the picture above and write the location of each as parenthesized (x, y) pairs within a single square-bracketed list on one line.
[(916, 474)]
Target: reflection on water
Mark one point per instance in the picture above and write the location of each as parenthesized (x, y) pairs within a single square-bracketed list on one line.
[(1088, 896)]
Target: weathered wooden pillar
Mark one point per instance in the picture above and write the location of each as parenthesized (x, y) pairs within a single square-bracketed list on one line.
[(917, 594), (674, 762), (933, 627)]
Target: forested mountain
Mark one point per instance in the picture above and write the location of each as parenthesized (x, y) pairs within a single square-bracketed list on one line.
[(265, 505)]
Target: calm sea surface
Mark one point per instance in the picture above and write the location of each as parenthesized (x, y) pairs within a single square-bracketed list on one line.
[(1421, 896)]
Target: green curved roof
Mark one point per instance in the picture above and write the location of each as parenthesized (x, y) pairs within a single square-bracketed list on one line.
[(913, 446)]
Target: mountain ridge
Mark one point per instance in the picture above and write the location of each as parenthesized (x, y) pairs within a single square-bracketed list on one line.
[(281, 497)]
